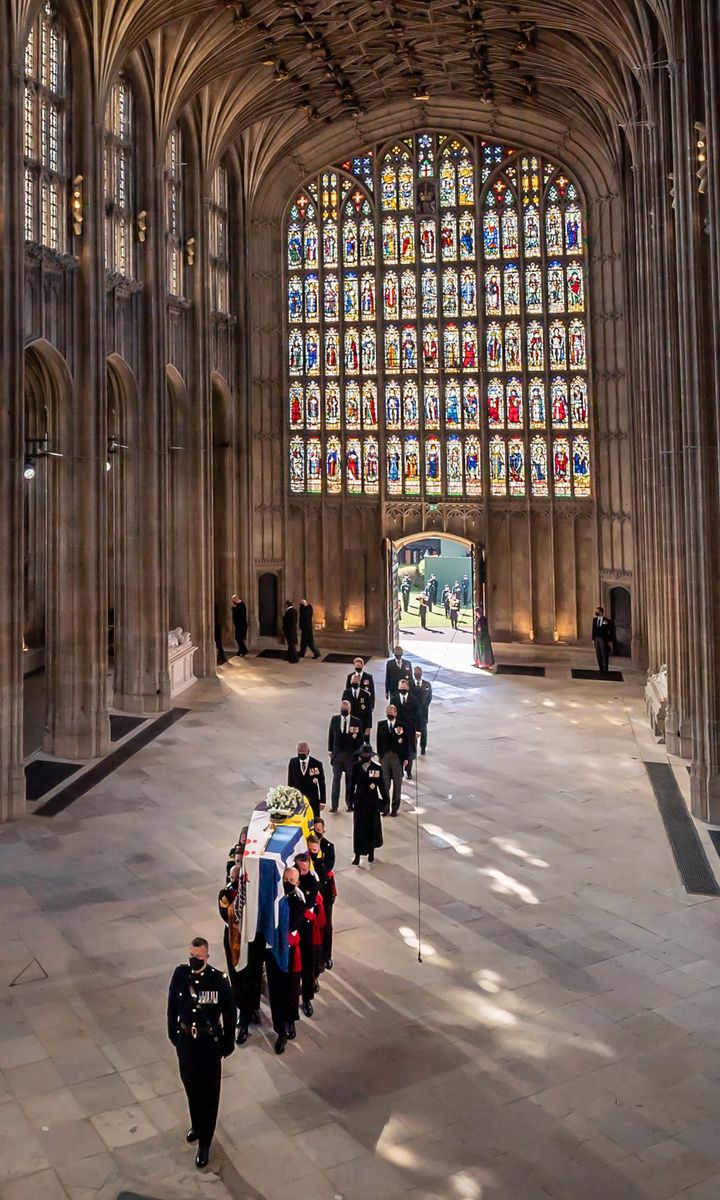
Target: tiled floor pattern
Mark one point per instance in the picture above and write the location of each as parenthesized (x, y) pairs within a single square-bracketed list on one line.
[(560, 1039)]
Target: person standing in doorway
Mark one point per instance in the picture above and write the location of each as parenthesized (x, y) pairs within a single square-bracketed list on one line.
[(423, 609), (465, 591), (603, 637), (445, 598), (454, 609), (307, 633), (432, 590), (405, 588), (484, 656), (240, 624), (290, 631)]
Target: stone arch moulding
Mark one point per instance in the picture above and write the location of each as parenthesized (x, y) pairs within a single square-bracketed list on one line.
[(178, 558), (124, 522), (224, 516)]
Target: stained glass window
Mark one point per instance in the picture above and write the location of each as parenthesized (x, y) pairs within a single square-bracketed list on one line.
[(46, 180), (219, 242), (436, 325), (119, 180), (175, 221)]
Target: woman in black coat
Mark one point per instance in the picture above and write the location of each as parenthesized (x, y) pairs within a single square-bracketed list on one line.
[(369, 799)]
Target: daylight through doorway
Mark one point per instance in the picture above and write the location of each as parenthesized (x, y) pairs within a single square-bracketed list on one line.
[(432, 591)]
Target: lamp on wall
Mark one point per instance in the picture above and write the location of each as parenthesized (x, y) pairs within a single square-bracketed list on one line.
[(36, 448), (113, 446), (76, 205), (142, 225), (190, 251)]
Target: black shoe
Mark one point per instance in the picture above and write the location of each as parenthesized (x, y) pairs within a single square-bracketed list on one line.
[(316, 655), (371, 856), (191, 1136), (408, 774), (422, 751), (328, 964), (281, 1043), (356, 861), (307, 1008), (241, 1035), (256, 1018), (393, 813), (201, 1159), (334, 810), (291, 1031)]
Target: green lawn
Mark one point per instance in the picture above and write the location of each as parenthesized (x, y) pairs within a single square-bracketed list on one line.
[(435, 619)]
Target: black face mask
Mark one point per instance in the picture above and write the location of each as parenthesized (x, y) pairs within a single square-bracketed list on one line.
[(302, 757), (288, 888), (196, 964)]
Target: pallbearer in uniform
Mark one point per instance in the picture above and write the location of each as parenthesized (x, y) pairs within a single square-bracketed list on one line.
[(311, 930), (366, 679), (370, 799), (326, 857), (283, 962), (201, 1027)]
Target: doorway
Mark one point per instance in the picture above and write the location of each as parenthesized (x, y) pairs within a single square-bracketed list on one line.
[(433, 586), (621, 616)]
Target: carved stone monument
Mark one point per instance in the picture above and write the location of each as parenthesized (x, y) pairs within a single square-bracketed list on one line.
[(656, 701), (180, 661)]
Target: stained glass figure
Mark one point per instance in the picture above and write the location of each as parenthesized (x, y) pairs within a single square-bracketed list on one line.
[(352, 406), (453, 404), (516, 467), (330, 255), (390, 241), (367, 243), (408, 296), (350, 244), (471, 404), (428, 286), (352, 351), (559, 401), (297, 465), (408, 349), (581, 466), (407, 240), (411, 412), (450, 292), (406, 187), (536, 397), (332, 405), (432, 406), (350, 294), (369, 404), (367, 297), (498, 467), (556, 287), (538, 466), (368, 351), (511, 289), (514, 392), (311, 297), (448, 238), (468, 292), (575, 289), (493, 298), (466, 182), (553, 230), (561, 467), (332, 352), (466, 226), (495, 405), (432, 466), (473, 479), (390, 296), (412, 466), (558, 346), (295, 254), (448, 191), (295, 307), (310, 242), (491, 233), (314, 465), (295, 352), (576, 338), (394, 466), (297, 405), (513, 347), (392, 348), (535, 346), (533, 289), (469, 348), (353, 468), (392, 404), (578, 403), (333, 466), (427, 241), (451, 347), (531, 224), (426, 158), (573, 230), (312, 401), (494, 347), (388, 186), (454, 459), (371, 466), (510, 230)]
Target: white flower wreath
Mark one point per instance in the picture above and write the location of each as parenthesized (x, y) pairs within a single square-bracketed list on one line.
[(284, 802)]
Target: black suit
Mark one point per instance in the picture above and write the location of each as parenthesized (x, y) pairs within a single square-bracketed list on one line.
[(307, 633), (361, 706), (311, 783), (392, 750), (602, 636), (408, 715), (395, 671), (290, 632), (423, 696), (341, 747), (240, 625), (366, 681)]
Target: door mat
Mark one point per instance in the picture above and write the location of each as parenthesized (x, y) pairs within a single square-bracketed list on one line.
[(608, 676), (272, 654), (345, 658), (688, 851), (518, 669), (43, 774), (121, 726)]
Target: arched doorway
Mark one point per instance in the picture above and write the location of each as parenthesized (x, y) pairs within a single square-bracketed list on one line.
[(434, 581), (621, 617)]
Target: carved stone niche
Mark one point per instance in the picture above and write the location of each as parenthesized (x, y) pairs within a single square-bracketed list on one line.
[(180, 661), (656, 701)]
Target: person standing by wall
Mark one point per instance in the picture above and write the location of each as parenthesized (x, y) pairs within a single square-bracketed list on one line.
[(290, 631), (240, 624), (484, 656), (307, 633), (603, 637)]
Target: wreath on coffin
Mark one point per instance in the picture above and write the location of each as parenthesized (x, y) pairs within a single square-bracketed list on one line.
[(284, 803)]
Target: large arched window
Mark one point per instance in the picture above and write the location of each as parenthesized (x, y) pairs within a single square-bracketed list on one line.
[(218, 242), (174, 213), (46, 181), (118, 180), (436, 325)]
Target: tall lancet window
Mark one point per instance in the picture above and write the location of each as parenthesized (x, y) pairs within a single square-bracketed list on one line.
[(436, 325), (218, 243), (46, 180), (174, 213), (119, 181)]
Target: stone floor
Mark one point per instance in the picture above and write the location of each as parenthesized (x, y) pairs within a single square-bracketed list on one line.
[(561, 1037)]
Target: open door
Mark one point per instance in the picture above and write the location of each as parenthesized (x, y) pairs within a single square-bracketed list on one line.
[(391, 563), (478, 575)]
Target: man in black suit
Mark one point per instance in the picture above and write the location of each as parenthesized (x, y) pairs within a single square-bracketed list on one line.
[(308, 776), (396, 668), (392, 750), (405, 588), (361, 704), (290, 631), (307, 633), (240, 624), (345, 736), (366, 679), (423, 695), (602, 636), (408, 712)]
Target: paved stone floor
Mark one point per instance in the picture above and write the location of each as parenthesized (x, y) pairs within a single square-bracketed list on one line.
[(560, 1039)]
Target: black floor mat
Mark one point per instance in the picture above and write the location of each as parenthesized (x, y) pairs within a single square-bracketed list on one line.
[(607, 676), (688, 851), (121, 726), (43, 774), (519, 669), (715, 838), (272, 654), (344, 658)]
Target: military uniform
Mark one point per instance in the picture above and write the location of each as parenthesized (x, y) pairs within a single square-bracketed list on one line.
[(201, 1026), (324, 867), (311, 936)]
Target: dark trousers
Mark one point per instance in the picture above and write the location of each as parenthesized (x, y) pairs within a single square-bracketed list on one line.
[(341, 765), (405, 600), (200, 1065), (447, 608), (240, 639), (307, 642), (602, 650), (247, 984), (292, 652), (453, 617), (283, 995), (327, 945), (423, 615), (430, 603), (309, 971), (422, 730), (392, 771)]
